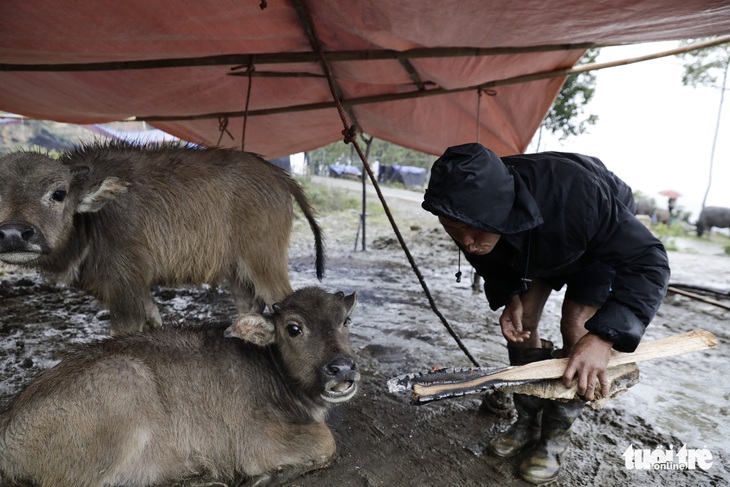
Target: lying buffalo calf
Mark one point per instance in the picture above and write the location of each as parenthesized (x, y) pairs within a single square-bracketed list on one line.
[(116, 219), (249, 400)]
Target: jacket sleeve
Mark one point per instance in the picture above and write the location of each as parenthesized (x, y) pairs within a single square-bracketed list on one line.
[(617, 238), (500, 282)]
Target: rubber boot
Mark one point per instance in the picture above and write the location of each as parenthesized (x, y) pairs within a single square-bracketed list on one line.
[(525, 431), (543, 463)]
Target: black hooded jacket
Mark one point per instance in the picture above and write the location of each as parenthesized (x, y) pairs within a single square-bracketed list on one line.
[(556, 213)]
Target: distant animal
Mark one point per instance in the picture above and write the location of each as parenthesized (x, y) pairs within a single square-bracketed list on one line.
[(648, 207), (115, 219), (662, 215), (645, 207), (713, 216), (244, 401)]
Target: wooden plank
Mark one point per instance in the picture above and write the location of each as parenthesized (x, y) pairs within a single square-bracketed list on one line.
[(552, 369), (620, 379)]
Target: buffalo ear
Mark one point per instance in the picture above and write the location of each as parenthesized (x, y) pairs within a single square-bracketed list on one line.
[(350, 302), (253, 328), (96, 198)]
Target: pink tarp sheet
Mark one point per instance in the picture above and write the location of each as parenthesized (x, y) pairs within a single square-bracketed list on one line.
[(38, 32)]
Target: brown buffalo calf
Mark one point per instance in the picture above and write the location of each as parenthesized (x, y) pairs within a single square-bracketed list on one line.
[(249, 400), (116, 219)]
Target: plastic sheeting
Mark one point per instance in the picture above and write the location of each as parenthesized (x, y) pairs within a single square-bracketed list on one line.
[(50, 32), (409, 176)]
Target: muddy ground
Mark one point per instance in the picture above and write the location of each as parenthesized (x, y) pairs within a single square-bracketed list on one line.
[(383, 439)]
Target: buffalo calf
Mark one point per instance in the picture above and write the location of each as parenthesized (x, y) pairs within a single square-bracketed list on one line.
[(115, 219), (244, 401)]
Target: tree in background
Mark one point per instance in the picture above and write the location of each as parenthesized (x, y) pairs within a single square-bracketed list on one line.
[(566, 116), (705, 67)]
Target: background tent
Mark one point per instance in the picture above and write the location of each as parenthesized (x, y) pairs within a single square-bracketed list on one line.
[(409, 176), (344, 171)]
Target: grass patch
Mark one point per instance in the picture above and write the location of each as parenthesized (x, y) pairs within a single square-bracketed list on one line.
[(669, 243), (669, 233), (675, 229), (326, 200)]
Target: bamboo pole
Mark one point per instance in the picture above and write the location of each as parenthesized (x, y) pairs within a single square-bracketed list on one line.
[(698, 297), (333, 56), (390, 97), (259, 59)]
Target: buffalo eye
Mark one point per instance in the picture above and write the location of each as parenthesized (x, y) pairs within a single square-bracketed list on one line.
[(59, 195), (293, 330), (346, 322)]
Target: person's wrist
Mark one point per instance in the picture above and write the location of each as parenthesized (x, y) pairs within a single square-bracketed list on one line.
[(598, 339)]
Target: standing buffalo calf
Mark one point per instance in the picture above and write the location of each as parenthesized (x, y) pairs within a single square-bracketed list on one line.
[(713, 216), (148, 408), (116, 219)]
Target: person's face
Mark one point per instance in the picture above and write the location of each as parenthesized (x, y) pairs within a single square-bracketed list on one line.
[(474, 241)]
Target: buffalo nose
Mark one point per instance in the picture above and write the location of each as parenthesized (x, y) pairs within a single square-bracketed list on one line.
[(339, 366), (16, 231)]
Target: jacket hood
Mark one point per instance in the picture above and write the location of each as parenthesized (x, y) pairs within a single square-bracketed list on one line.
[(470, 184)]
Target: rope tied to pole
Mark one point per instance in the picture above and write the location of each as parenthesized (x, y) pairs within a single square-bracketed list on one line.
[(249, 71), (223, 128), (349, 132), (350, 135)]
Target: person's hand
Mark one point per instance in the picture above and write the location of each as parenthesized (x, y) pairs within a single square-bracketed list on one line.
[(511, 321), (588, 362)]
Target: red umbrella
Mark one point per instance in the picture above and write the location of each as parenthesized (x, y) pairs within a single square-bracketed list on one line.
[(670, 193)]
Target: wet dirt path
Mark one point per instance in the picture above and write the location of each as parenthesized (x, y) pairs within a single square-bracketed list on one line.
[(383, 440)]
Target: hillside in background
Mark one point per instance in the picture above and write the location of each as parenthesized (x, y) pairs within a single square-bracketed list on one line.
[(18, 134)]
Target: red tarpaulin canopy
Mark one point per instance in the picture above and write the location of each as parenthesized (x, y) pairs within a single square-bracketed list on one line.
[(384, 56)]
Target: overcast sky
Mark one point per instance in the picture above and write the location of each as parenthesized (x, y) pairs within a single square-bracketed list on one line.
[(654, 132)]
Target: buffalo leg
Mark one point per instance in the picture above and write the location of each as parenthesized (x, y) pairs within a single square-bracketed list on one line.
[(245, 298), (285, 474), (128, 311), (308, 447), (152, 313)]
